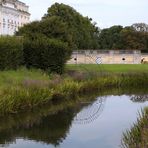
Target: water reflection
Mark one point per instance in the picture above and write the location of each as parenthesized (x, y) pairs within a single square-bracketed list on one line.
[(52, 126), (139, 98), (90, 112), (50, 129)]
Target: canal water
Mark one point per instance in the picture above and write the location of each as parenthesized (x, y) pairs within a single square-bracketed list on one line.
[(97, 124)]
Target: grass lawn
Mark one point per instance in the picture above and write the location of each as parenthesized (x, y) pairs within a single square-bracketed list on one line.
[(12, 77), (114, 68)]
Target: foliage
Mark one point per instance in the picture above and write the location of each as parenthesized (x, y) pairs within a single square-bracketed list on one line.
[(47, 54), (11, 52), (83, 32), (20, 91), (129, 37), (64, 23), (48, 43), (110, 38), (132, 39), (137, 136)]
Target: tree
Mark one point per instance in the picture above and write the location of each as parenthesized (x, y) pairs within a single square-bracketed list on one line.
[(130, 37), (64, 23), (55, 28), (110, 38), (48, 43), (84, 34), (141, 27), (29, 30), (133, 39)]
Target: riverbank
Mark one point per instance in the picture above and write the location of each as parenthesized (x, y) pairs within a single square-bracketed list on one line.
[(24, 89), (137, 136), (45, 121)]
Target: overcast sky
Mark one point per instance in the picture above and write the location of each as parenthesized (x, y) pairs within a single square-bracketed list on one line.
[(105, 12)]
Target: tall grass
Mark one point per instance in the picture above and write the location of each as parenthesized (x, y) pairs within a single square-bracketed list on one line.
[(26, 89), (137, 136)]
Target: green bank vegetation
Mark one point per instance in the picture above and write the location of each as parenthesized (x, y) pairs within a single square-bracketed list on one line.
[(47, 45), (24, 124), (27, 89), (40, 52), (137, 136), (11, 52)]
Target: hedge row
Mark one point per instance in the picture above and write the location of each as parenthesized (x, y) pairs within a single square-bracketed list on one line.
[(11, 52), (41, 52)]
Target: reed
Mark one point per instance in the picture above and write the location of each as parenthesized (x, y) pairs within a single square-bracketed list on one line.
[(137, 136), (24, 89)]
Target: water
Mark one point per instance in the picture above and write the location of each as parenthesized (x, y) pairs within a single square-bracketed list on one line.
[(90, 124)]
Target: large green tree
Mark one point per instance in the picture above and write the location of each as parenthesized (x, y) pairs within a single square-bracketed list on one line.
[(133, 39), (130, 37), (64, 23), (84, 33), (110, 38), (142, 29)]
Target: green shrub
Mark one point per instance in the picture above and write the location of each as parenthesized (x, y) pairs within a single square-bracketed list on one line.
[(47, 54), (11, 52)]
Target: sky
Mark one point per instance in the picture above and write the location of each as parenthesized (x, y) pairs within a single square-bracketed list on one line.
[(105, 13)]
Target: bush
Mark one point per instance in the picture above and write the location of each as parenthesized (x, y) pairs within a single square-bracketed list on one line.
[(47, 54), (11, 52)]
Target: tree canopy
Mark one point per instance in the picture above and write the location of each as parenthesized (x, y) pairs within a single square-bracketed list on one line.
[(129, 37), (64, 23)]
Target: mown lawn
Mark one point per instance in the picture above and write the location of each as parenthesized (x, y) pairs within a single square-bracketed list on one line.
[(115, 68)]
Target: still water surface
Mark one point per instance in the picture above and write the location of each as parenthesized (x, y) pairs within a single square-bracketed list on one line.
[(99, 124)]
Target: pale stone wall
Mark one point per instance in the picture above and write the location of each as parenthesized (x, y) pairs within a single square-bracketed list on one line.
[(105, 57)]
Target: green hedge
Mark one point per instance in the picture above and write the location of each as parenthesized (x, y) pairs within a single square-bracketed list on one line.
[(39, 52), (47, 54), (11, 52)]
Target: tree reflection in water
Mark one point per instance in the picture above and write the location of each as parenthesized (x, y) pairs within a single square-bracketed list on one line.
[(139, 98), (45, 126), (51, 129), (52, 126)]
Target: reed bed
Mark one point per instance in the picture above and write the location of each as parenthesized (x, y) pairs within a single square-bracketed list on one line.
[(24, 89), (137, 136)]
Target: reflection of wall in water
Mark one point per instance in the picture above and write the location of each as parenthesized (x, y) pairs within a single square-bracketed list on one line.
[(105, 57)]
